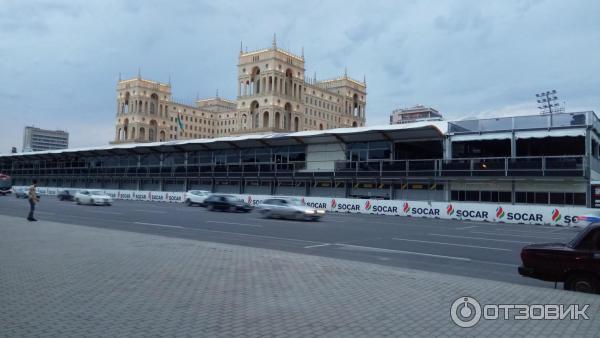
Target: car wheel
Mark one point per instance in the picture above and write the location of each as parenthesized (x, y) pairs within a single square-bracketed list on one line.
[(232, 208), (210, 207), (582, 283), (299, 216), (266, 213), (188, 202), (77, 201), (92, 201)]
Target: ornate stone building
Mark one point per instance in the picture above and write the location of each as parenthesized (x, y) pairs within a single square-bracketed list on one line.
[(274, 95)]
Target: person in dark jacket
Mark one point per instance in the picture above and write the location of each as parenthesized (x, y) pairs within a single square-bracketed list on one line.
[(33, 200)]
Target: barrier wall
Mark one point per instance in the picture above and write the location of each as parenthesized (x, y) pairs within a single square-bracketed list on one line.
[(501, 212)]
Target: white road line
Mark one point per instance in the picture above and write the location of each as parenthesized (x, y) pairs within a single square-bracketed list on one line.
[(234, 223), (250, 235), (541, 236), (105, 212), (471, 227), (45, 213), (368, 248), (450, 244), (481, 238), (316, 246), (160, 225), (151, 211), (495, 263)]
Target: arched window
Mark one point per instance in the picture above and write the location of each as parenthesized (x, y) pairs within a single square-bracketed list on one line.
[(266, 119)]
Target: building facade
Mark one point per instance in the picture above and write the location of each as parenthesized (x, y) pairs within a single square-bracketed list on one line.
[(414, 114), (273, 95), (37, 139)]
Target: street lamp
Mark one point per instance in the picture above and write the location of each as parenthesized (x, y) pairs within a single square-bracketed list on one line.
[(547, 102)]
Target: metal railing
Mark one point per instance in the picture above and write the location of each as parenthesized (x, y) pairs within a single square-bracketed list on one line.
[(548, 166), (559, 120)]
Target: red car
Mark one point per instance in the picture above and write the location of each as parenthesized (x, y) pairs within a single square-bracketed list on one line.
[(576, 264)]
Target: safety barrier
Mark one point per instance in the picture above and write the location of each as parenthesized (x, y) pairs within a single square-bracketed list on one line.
[(484, 212)]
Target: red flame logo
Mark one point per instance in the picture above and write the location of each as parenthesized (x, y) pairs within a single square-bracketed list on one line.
[(368, 205), (333, 203), (406, 207), (499, 212), (556, 215), (249, 199), (450, 209)]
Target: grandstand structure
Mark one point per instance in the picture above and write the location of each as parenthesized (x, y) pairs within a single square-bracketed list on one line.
[(536, 159)]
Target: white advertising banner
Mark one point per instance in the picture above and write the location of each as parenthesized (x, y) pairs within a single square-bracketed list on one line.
[(487, 212)]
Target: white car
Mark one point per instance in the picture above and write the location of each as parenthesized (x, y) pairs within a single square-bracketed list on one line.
[(92, 197), (196, 197), (291, 208)]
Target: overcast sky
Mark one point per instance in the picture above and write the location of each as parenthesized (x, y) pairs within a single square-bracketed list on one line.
[(60, 60)]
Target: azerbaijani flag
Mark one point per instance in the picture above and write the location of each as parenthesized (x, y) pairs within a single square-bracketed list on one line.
[(179, 121)]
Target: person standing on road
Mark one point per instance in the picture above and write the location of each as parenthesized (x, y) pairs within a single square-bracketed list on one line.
[(33, 199)]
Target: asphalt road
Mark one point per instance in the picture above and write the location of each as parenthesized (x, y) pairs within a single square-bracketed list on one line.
[(475, 249)]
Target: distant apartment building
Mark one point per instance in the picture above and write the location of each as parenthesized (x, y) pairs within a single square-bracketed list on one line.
[(37, 139), (414, 114)]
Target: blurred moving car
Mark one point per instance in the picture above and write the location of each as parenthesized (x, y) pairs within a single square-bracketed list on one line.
[(196, 197), (92, 197), (66, 195), (5, 185), (226, 203), (24, 193), (576, 264), (290, 208)]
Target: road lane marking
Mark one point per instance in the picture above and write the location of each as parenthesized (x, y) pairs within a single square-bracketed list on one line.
[(368, 248), (481, 238), (160, 225), (234, 223), (45, 213), (513, 235), (151, 211), (450, 244), (470, 227), (316, 246), (105, 212)]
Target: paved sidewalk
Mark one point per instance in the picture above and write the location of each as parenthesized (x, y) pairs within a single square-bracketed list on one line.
[(69, 280)]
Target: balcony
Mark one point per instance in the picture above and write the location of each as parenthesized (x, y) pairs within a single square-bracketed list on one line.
[(561, 166), (548, 166)]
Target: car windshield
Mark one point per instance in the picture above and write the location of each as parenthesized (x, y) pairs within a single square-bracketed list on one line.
[(96, 193), (577, 239), (296, 202)]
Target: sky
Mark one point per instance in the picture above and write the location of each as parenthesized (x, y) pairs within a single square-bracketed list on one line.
[(60, 59)]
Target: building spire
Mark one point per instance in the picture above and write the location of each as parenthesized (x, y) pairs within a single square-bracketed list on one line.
[(364, 79), (217, 93), (315, 78), (197, 96), (139, 75), (169, 80), (302, 52), (241, 47), (274, 41), (119, 76), (345, 72)]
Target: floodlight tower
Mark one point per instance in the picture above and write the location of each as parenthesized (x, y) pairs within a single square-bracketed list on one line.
[(547, 102)]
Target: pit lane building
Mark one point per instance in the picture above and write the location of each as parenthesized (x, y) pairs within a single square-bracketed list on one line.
[(538, 159)]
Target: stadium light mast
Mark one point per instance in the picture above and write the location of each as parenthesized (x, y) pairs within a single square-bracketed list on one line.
[(547, 102)]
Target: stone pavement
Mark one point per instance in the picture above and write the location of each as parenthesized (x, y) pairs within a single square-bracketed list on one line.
[(69, 280)]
